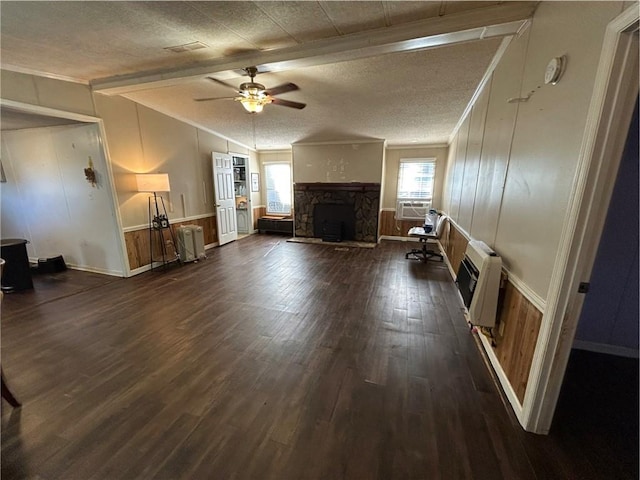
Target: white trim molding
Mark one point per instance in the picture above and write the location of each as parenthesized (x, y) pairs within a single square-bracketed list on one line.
[(40, 73), (485, 79), (526, 291), (502, 377), (494, 21), (73, 266), (341, 142), (416, 146), (612, 102), (172, 221), (47, 111)]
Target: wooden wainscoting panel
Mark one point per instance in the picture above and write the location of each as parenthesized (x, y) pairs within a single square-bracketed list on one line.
[(138, 249), (258, 212), (518, 320), (137, 241), (391, 227), (208, 225), (516, 336), (455, 244), (445, 240)]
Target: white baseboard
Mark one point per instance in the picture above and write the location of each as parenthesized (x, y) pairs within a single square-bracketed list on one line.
[(604, 348), (33, 262), (102, 271), (502, 377), (398, 239), (526, 291), (146, 268), (139, 270)]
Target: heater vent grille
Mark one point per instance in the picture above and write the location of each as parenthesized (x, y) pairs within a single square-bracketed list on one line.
[(187, 47)]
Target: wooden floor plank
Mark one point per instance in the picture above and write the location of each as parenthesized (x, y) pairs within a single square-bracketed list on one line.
[(268, 360)]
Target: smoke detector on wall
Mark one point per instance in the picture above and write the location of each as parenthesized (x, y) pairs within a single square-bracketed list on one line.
[(555, 69)]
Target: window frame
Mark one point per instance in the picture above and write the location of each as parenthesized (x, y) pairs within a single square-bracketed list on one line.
[(269, 211), (426, 198)]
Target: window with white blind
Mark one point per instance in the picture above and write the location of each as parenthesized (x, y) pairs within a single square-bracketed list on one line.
[(278, 182), (416, 178)]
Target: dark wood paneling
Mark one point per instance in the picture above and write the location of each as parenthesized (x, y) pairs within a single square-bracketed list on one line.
[(455, 244), (137, 241), (391, 227)]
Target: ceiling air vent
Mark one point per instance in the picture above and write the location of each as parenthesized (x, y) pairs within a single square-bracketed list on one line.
[(187, 47)]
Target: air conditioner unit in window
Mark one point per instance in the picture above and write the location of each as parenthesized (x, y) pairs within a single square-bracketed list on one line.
[(408, 210)]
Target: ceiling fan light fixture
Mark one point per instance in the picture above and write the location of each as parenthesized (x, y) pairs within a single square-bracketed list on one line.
[(254, 96), (254, 102), (252, 105)]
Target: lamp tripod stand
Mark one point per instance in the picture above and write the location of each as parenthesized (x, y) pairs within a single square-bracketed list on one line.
[(158, 225)]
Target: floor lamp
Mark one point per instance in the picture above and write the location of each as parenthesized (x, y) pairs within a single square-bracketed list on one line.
[(158, 219)]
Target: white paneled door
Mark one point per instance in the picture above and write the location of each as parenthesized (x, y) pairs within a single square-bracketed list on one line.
[(225, 198)]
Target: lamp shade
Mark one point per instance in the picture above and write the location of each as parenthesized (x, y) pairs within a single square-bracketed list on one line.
[(153, 182), (251, 105)]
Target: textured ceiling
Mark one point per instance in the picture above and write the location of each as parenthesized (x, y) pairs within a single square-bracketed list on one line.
[(358, 74)]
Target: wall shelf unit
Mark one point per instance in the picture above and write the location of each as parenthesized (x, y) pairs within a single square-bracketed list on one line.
[(242, 192)]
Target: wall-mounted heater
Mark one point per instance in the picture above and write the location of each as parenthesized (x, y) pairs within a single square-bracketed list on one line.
[(191, 243), (478, 280)]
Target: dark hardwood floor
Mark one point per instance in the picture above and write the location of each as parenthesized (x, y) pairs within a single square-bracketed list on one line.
[(268, 360)]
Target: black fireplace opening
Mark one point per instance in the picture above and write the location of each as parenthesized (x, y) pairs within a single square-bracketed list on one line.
[(334, 222)]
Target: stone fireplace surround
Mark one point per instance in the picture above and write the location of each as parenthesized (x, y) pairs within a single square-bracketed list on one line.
[(365, 198)]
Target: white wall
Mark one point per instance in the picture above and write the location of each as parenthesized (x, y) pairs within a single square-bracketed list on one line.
[(142, 140), (516, 197), (338, 163), (48, 201), (392, 163)]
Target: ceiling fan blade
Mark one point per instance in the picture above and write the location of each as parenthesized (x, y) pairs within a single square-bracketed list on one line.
[(288, 103), (221, 82), (212, 98), (285, 87)]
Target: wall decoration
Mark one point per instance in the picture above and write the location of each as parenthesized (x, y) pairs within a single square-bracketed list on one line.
[(255, 182), (90, 173)]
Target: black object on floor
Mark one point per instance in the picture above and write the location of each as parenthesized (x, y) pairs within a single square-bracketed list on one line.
[(52, 264), (16, 274)]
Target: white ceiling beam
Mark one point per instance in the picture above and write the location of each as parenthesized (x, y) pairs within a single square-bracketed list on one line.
[(495, 21)]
